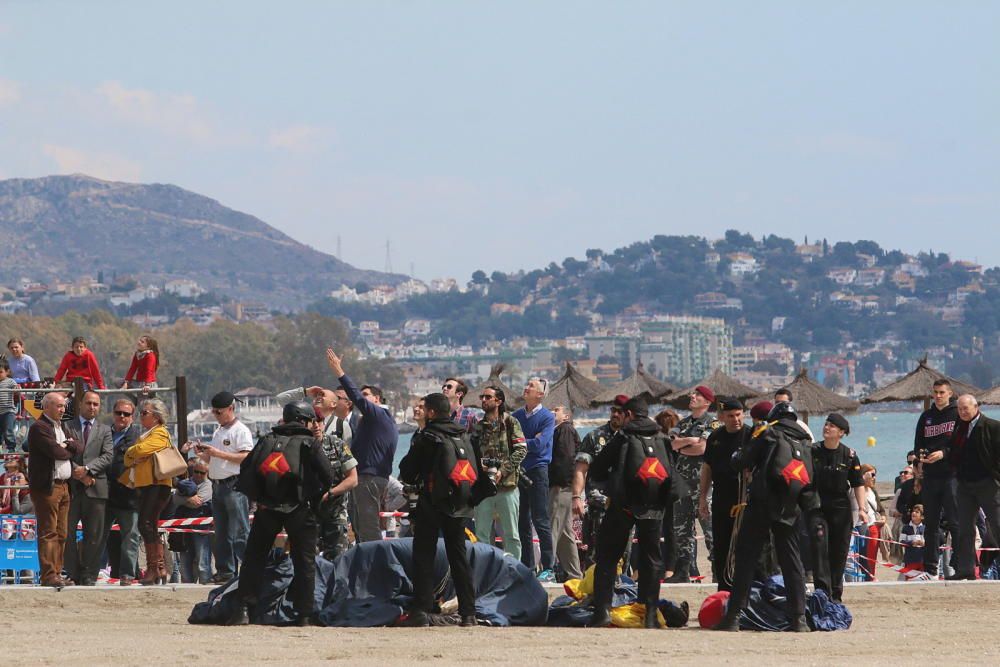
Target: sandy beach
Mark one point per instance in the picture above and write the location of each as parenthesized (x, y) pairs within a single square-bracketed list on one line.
[(97, 626)]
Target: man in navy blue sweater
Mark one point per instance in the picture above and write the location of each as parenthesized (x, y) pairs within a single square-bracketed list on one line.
[(538, 424), (373, 446)]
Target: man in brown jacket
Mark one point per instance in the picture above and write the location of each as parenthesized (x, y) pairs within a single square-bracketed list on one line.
[(49, 469)]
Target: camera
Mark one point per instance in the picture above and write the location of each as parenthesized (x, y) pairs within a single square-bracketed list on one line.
[(412, 494), (597, 500), (492, 465), (674, 433), (922, 454)]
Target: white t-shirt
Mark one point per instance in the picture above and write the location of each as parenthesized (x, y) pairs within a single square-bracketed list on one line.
[(233, 438), (61, 469)]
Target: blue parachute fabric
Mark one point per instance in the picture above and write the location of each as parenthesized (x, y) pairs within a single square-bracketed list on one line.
[(271, 609), (370, 586), (766, 609), (825, 614)]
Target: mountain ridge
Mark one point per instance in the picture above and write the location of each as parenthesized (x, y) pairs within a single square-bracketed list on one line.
[(156, 232)]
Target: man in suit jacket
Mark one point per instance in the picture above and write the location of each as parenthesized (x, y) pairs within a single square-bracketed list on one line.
[(49, 471), (88, 491), (123, 508), (975, 455)]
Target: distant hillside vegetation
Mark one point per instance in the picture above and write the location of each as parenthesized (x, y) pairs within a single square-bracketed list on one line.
[(60, 226)]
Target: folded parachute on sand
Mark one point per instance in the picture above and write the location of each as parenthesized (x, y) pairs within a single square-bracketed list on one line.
[(766, 609), (370, 586), (575, 609)]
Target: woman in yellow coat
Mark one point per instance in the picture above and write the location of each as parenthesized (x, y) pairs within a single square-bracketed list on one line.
[(153, 494)]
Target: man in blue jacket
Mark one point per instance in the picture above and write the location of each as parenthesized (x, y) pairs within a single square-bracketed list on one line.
[(538, 424), (374, 448)]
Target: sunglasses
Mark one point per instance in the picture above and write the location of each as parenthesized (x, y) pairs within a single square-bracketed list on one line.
[(199, 472), (218, 411), (483, 397), (122, 413), (144, 413), (448, 386)]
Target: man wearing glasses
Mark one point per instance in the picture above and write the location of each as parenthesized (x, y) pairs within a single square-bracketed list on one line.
[(331, 405), (231, 443), (499, 441), (538, 425), (122, 544), (456, 391)]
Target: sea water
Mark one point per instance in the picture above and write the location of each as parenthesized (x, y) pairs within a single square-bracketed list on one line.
[(891, 432)]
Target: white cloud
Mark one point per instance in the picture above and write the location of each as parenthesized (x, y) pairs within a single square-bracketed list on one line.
[(300, 138), (10, 93), (176, 115), (100, 165)]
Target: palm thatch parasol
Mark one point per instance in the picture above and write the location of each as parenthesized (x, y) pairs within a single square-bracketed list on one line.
[(917, 385), (808, 397), (640, 384), (718, 382), (574, 390), (990, 396), (514, 399)]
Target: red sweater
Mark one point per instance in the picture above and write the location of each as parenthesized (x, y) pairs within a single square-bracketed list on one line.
[(80, 366), (143, 369)]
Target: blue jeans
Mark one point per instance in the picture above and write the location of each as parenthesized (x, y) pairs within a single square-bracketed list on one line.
[(196, 562), (7, 429), (535, 510), (231, 516)]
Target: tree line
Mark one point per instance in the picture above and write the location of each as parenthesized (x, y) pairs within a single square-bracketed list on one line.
[(275, 355)]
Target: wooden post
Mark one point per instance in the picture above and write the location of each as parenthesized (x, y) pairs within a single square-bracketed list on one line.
[(77, 396), (181, 394)]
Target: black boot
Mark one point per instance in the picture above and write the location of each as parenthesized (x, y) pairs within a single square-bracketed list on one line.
[(469, 621), (416, 618), (308, 620), (799, 624), (682, 575), (601, 617), (651, 622), (729, 623), (240, 616)]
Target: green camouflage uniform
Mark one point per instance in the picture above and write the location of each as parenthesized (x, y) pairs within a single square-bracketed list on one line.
[(686, 511), (503, 440), (333, 511)]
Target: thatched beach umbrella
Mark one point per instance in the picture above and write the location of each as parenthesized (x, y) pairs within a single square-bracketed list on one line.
[(720, 383), (808, 397), (574, 390), (916, 386), (514, 398), (990, 396), (640, 384)]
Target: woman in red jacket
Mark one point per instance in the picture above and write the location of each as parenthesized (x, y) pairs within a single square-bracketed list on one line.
[(81, 363), (145, 362)]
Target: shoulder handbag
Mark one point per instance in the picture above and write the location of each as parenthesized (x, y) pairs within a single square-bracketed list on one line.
[(168, 463)]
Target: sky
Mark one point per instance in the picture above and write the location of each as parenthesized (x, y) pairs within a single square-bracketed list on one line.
[(507, 135)]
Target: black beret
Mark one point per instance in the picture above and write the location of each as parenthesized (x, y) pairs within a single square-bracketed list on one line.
[(840, 422), (731, 404)]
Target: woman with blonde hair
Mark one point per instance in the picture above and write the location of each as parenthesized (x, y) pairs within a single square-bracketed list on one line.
[(153, 494)]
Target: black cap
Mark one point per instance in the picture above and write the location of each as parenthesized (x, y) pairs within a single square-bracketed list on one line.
[(637, 406), (840, 422), (731, 404), (223, 400)]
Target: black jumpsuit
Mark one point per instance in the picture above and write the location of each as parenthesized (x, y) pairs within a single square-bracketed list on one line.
[(836, 472)]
